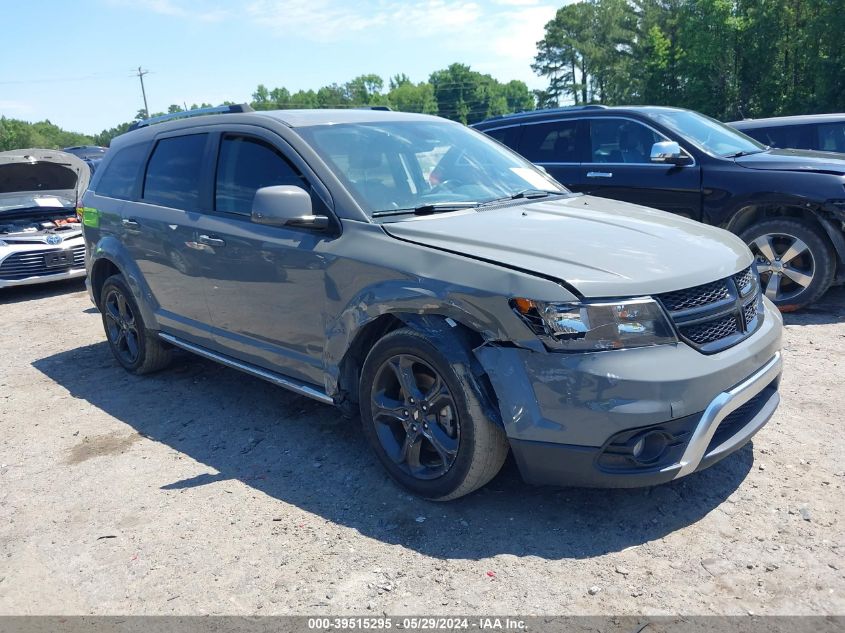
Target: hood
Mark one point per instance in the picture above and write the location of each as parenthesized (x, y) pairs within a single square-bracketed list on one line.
[(795, 160), (603, 248), (38, 177)]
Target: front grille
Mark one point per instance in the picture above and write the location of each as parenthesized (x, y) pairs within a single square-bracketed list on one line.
[(33, 264), (745, 281), (712, 317), (750, 313), (695, 297), (704, 333)]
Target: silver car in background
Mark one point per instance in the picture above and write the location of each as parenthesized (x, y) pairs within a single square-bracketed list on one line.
[(40, 233)]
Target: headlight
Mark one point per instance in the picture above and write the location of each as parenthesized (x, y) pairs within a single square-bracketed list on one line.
[(588, 327)]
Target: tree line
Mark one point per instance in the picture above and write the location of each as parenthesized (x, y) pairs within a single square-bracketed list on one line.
[(727, 58), (456, 92)]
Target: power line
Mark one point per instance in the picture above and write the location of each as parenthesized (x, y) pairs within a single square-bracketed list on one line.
[(24, 82)]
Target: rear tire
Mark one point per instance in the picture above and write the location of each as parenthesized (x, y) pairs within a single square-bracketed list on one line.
[(424, 420), (135, 347), (795, 260)]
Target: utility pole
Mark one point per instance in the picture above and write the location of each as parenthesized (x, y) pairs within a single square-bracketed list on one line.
[(141, 74)]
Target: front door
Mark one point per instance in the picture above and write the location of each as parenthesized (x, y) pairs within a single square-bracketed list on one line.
[(266, 285), (619, 166)]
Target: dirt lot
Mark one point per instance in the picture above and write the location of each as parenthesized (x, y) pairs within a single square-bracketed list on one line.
[(201, 490)]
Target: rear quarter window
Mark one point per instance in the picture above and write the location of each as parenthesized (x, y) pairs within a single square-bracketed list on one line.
[(121, 173), (831, 137)]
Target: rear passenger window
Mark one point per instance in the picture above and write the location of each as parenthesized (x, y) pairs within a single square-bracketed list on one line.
[(118, 179), (784, 137), (173, 173), (245, 165), (506, 135), (555, 142)]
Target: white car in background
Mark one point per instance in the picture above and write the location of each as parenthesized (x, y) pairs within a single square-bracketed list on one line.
[(40, 232)]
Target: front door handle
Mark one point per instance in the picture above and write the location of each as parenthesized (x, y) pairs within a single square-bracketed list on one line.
[(599, 174), (211, 241), (129, 223)]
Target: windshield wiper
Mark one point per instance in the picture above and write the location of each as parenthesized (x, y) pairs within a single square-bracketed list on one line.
[(528, 194), (427, 209), (744, 152)]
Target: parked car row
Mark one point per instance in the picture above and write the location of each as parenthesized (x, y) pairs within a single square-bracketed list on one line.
[(787, 205), (417, 273)]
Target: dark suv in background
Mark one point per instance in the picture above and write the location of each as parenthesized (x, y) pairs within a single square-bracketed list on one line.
[(822, 132), (788, 205)]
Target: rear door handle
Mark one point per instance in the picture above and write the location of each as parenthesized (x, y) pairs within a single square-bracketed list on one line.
[(130, 223), (599, 174), (211, 241)]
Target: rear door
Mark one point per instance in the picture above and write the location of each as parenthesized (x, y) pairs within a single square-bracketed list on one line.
[(160, 233), (557, 146), (618, 166)]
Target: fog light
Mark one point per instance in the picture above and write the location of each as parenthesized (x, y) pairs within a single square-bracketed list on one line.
[(649, 447)]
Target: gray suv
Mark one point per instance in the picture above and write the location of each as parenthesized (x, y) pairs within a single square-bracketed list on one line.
[(414, 271)]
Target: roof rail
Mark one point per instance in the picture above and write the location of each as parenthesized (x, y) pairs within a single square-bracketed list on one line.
[(385, 108), (572, 108), (223, 109)]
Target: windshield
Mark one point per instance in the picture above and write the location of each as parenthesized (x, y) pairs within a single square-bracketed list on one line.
[(407, 165), (24, 201), (709, 134)]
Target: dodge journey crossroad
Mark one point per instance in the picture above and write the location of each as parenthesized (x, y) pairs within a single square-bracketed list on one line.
[(418, 273)]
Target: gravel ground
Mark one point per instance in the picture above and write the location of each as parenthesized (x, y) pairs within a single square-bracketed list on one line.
[(200, 490)]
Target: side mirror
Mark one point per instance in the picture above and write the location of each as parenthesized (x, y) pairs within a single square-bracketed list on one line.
[(668, 152), (286, 205)]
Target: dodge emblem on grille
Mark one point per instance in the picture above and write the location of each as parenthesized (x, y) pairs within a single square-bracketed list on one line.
[(54, 239)]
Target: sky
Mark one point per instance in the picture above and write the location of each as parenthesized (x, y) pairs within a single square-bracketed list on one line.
[(73, 62)]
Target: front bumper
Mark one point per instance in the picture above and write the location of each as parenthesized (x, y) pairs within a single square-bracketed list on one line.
[(73, 273), (573, 419), (546, 463), (24, 264)]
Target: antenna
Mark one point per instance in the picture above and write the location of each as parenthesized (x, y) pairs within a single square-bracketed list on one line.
[(141, 74)]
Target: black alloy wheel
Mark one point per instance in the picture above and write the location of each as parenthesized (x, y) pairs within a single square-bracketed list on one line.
[(121, 326), (415, 416)]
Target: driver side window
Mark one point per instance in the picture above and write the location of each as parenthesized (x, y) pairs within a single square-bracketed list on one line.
[(621, 141), (246, 164)]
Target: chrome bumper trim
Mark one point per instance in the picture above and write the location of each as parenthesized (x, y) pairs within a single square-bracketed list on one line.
[(721, 407)]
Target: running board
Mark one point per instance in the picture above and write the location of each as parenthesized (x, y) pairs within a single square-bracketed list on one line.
[(277, 379)]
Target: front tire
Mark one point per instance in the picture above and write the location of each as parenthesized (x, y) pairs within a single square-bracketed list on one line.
[(423, 417), (795, 261), (135, 347)]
